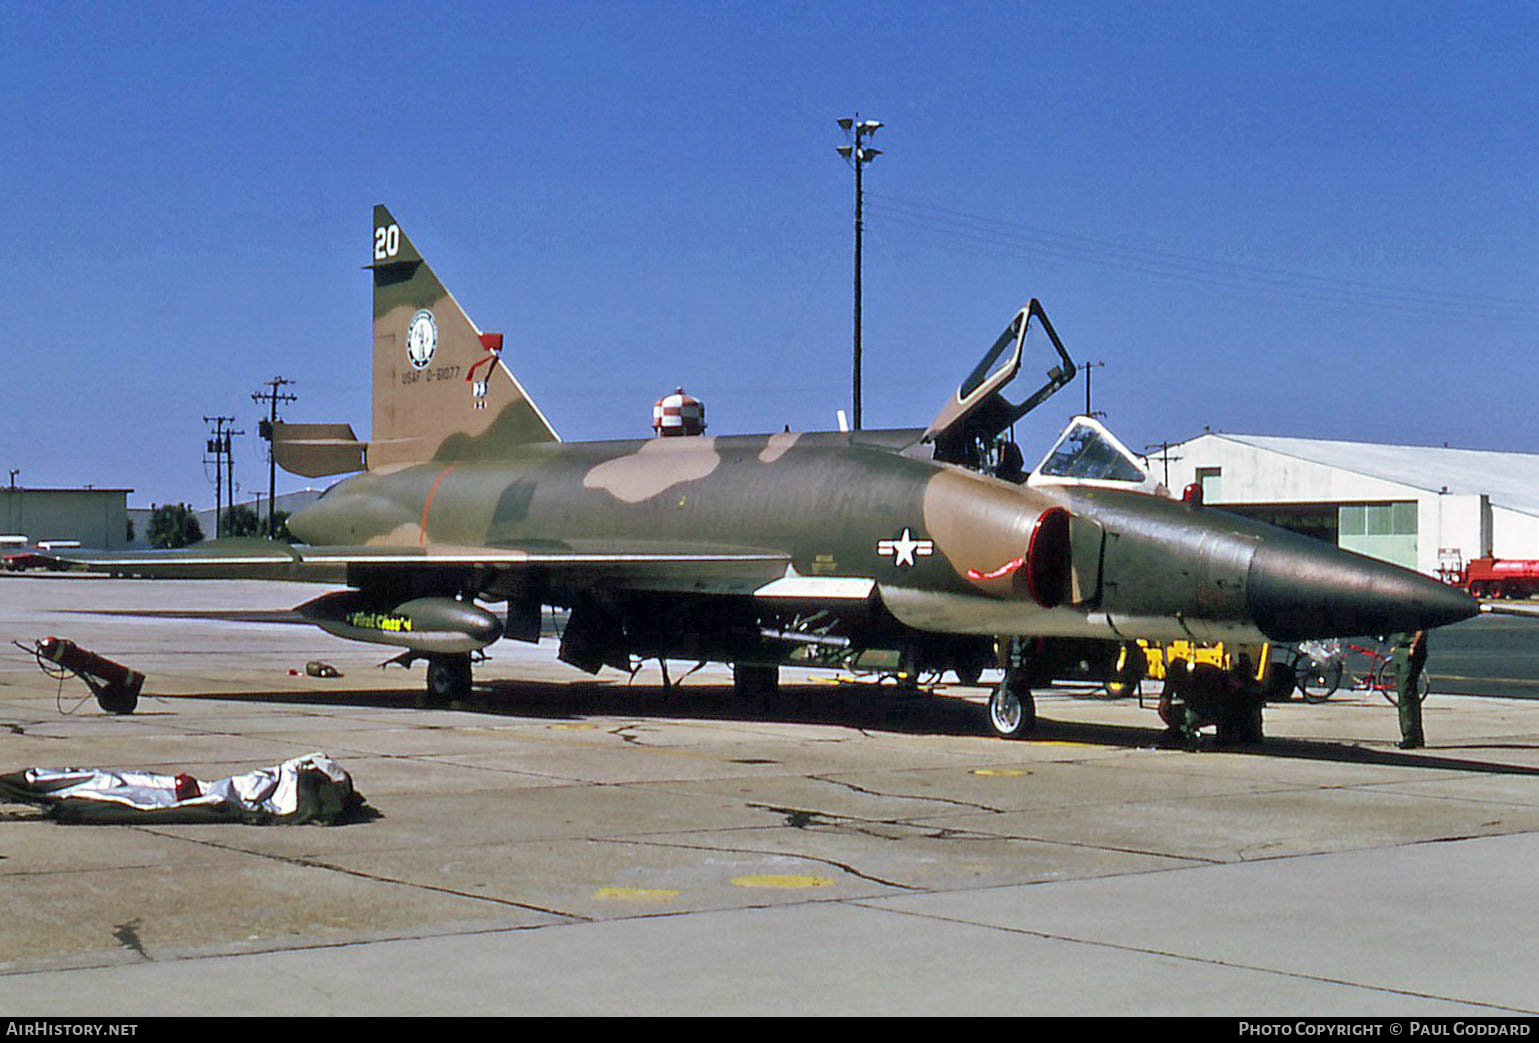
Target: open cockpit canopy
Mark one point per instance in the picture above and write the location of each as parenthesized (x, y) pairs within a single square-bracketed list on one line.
[(979, 412)]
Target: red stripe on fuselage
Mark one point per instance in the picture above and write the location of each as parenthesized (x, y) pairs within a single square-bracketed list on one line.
[(428, 503)]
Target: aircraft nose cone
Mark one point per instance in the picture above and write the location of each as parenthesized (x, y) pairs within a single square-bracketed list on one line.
[(1301, 588)]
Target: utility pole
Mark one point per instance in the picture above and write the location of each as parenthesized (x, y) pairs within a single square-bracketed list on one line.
[(1164, 448), (266, 428), (1087, 367), (224, 464), (858, 155)]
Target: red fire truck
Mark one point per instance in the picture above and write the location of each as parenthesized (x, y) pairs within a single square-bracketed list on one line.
[(1495, 577)]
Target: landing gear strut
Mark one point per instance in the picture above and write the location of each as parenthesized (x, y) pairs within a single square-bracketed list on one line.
[(448, 678)]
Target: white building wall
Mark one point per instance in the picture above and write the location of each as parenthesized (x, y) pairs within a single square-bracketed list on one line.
[(1514, 534), (1447, 522), (1252, 475)]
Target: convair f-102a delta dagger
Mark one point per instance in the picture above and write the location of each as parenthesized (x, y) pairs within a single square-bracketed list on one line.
[(763, 550)]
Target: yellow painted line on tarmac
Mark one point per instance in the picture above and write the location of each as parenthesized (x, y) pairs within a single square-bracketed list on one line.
[(1001, 771), (1487, 680), (636, 894), (780, 881), (573, 727)]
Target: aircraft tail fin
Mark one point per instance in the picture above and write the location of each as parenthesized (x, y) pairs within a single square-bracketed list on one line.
[(441, 387)]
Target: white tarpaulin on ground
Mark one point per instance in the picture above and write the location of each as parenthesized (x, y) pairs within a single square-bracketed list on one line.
[(312, 788)]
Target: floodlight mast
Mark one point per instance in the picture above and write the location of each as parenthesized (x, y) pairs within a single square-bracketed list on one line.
[(858, 155)]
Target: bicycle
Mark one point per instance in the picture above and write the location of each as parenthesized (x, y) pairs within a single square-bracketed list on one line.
[(1317, 669), (1384, 678), (1321, 666)]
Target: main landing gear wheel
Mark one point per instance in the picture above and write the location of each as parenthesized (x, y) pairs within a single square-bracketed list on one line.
[(754, 684), (1012, 711), (968, 673), (448, 679)]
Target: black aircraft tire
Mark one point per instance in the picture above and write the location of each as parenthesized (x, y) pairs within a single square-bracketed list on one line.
[(117, 700), (1280, 682), (448, 679), (755, 684), (1012, 712)]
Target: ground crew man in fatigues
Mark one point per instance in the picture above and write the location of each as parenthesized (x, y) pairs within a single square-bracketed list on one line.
[(1204, 694), (1408, 659)]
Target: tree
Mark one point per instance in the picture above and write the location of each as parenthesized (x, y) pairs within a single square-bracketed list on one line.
[(283, 533), (240, 520), (173, 525)]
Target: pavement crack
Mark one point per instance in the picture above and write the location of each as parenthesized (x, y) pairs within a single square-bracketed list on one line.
[(627, 735), (853, 788), (1206, 961), (798, 818), (307, 863), (843, 867)]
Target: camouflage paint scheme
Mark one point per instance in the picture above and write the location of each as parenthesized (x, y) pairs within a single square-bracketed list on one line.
[(743, 548)]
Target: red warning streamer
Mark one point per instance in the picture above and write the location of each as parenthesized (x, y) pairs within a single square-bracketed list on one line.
[(999, 573)]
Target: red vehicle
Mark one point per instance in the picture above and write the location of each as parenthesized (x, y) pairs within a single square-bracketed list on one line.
[(1497, 577), (18, 555)]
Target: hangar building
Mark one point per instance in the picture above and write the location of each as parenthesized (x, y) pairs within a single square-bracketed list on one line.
[(96, 517), (1412, 505)]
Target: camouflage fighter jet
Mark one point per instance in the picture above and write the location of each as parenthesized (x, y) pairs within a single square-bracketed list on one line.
[(760, 550)]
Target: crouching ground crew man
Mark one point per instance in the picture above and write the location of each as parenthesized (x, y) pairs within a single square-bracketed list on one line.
[(1408, 659), (1203, 694)]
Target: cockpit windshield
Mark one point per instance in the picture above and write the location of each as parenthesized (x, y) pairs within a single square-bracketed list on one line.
[(1087, 452)]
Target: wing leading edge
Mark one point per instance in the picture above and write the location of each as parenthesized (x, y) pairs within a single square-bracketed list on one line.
[(718, 570)]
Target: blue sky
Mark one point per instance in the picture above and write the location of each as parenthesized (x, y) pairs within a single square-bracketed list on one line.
[(1296, 219)]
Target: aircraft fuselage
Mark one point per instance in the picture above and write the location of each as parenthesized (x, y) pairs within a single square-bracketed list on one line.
[(949, 550)]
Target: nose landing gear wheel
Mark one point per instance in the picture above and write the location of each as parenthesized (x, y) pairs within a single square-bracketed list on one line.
[(1012, 711)]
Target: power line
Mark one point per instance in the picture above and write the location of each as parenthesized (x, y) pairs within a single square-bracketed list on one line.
[(218, 445), (1185, 262), (1015, 240), (266, 427)]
